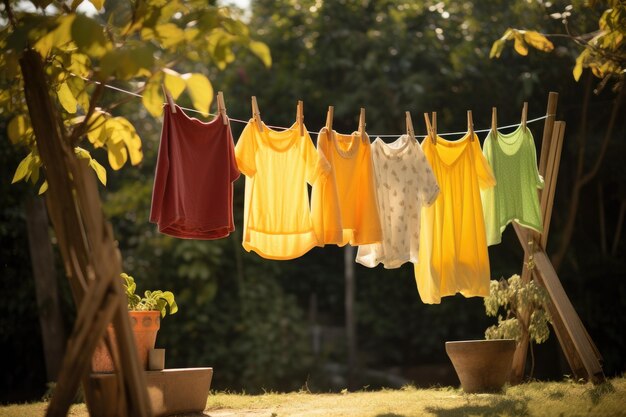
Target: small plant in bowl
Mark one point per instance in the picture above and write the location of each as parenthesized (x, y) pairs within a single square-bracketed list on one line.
[(151, 301), (515, 297)]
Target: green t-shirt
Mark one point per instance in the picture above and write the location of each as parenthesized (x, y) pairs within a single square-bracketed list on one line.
[(513, 159)]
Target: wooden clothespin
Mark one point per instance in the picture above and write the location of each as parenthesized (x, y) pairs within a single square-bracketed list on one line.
[(494, 122), (362, 123), (169, 98), (300, 117), (470, 125), (524, 115), (256, 114), (429, 128), (409, 126), (329, 121), (221, 107)]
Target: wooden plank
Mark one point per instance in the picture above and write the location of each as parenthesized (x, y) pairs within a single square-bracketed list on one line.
[(570, 319), (556, 147)]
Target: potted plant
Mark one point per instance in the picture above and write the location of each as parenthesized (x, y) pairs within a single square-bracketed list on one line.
[(485, 365), (145, 316)]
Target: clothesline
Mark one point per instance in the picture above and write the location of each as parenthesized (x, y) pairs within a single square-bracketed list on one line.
[(121, 90)]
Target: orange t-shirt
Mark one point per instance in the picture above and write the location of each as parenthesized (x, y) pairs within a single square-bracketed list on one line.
[(351, 187)]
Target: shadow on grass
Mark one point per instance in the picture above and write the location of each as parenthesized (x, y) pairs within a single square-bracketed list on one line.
[(495, 408), (598, 391), (390, 415)]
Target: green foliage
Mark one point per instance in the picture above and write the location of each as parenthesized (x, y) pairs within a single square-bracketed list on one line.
[(604, 50), (137, 43), (151, 301), (517, 297)]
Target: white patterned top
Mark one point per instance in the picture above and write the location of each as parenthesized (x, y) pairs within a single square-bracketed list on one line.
[(404, 184)]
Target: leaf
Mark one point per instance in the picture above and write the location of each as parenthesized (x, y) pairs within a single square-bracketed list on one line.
[(578, 68), (262, 51), (174, 83), (200, 90), (496, 49), (98, 4), (23, 169), (82, 153), (66, 98), (101, 173), (169, 34), (538, 41), (18, 127), (59, 36), (520, 46), (43, 188), (152, 98), (117, 155), (89, 36)]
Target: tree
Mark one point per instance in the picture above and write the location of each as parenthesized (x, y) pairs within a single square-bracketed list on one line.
[(55, 48), (604, 53)]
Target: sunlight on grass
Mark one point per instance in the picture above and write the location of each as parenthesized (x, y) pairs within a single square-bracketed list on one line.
[(534, 399)]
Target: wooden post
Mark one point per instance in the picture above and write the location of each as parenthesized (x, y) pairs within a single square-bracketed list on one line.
[(46, 286), (519, 359), (350, 316), (91, 258), (582, 355)]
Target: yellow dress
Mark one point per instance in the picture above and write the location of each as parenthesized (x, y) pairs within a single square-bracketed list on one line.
[(278, 165), (351, 186), (453, 255)]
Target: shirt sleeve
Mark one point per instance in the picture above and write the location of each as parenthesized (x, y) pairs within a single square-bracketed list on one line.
[(234, 170), (538, 178), (245, 150), (325, 212), (162, 170), (428, 188), (368, 229), (486, 178), (315, 162)]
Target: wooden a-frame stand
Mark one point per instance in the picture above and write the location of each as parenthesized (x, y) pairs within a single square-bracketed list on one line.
[(581, 353), (91, 258)]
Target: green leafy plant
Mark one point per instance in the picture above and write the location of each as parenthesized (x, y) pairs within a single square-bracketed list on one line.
[(152, 300), (516, 297)]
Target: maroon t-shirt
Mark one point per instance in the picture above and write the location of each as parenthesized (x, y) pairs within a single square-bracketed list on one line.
[(192, 196)]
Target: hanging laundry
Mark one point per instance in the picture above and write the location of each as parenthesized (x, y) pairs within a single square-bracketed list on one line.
[(453, 254), (513, 158), (352, 189), (277, 166), (404, 183), (192, 197)]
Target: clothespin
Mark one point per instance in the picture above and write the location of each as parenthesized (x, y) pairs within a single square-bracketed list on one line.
[(409, 126), (470, 125), (329, 118), (169, 98), (329, 121), (221, 107), (524, 115), (494, 122), (300, 117), (429, 128), (256, 114), (362, 123)]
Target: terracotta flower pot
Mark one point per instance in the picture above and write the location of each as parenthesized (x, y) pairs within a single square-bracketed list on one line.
[(145, 325), (482, 365)]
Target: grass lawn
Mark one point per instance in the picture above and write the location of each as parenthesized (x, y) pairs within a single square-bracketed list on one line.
[(549, 399)]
